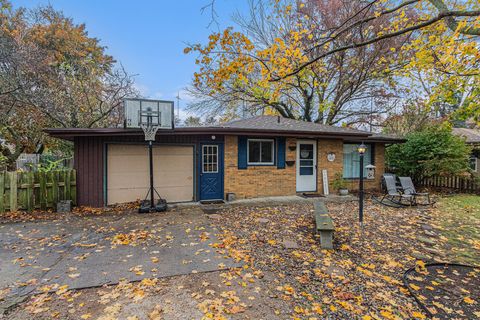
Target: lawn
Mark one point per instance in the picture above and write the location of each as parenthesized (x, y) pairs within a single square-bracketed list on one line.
[(458, 217)]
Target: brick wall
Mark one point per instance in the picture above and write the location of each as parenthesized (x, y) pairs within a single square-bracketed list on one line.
[(263, 181), (257, 181)]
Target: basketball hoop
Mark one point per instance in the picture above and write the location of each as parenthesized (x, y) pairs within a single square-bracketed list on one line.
[(150, 130)]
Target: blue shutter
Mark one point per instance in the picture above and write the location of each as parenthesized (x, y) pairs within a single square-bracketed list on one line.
[(242, 152), (281, 153)]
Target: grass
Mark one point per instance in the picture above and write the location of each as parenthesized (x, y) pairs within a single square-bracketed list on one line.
[(459, 218)]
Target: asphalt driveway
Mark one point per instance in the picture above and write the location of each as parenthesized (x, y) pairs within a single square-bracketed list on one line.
[(85, 252)]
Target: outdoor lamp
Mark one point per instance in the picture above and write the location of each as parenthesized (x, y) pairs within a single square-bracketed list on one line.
[(362, 149)]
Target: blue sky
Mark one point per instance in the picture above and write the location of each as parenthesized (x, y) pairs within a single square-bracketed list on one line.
[(148, 37)]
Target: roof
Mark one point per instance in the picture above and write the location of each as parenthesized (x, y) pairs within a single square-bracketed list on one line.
[(471, 135), (260, 125), (277, 123)]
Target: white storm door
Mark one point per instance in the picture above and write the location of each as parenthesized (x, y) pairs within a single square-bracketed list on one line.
[(306, 165)]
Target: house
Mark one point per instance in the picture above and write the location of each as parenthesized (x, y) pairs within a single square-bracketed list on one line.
[(472, 137), (256, 157)]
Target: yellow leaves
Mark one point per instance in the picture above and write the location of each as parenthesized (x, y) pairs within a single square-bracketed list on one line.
[(316, 307), (86, 316), (287, 289), (388, 315), (420, 267), (468, 300), (272, 242), (61, 290), (414, 287), (133, 238), (418, 315), (187, 50)]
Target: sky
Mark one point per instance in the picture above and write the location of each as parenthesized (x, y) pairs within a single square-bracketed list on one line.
[(148, 37)]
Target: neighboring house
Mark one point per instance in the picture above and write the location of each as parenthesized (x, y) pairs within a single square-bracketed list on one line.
[(472, 137), (256, 157)]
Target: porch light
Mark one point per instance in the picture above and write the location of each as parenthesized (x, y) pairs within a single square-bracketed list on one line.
[(362, 149)]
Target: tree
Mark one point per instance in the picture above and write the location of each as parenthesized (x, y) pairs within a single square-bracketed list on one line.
[(345, 88), (192, 121), (436, 40), (430, 152), (53, 74), (429, 13)]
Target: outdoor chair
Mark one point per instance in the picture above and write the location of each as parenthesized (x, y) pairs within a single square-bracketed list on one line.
[(384, 187), (393, 196), (409, 189)]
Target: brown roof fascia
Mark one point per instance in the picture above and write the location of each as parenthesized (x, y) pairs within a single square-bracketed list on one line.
[(70, 133)]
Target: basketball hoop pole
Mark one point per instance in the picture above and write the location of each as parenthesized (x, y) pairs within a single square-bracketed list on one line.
[(150, 130), (150, 156)]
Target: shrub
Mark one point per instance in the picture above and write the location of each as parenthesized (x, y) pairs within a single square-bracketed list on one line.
[(432, 151)]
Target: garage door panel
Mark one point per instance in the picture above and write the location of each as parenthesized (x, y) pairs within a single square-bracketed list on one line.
[(128, 172)]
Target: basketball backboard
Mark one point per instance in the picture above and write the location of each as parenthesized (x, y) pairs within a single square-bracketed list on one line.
[(140, 112)]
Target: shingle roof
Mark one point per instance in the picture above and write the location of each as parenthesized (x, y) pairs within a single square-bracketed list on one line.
[(276, 123), (471, 135)]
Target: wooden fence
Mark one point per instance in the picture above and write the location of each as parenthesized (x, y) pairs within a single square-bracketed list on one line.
[(36, 190), (454, 183)]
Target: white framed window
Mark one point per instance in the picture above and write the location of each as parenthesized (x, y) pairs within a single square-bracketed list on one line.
[(474, 163), (260, 152), (210, 159)]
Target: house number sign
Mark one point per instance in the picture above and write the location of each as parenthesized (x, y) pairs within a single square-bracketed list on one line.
[(331, 156)]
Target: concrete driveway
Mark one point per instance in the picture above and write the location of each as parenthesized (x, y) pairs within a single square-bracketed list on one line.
[(90, 251)]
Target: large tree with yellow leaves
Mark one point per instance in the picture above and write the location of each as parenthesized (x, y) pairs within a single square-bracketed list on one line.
[(337, 61)]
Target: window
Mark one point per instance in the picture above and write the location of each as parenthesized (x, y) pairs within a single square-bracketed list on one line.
[(351, 160), (210, 159), (260, 151), (473, 163)]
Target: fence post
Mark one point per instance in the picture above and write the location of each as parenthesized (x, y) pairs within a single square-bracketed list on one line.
[(30, 178), (2, 192), (43, 190), (13, 191)]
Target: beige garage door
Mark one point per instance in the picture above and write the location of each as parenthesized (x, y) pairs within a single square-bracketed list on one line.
[(128, 172)]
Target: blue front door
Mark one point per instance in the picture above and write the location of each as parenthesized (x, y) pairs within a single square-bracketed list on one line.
[(211, 171)]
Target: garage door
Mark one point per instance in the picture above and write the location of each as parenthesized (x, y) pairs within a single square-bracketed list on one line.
[(128, 172)]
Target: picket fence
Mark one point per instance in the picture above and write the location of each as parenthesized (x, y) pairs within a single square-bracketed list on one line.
[(36, 190)]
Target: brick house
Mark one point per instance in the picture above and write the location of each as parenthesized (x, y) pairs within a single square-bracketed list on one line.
[(256, 157)]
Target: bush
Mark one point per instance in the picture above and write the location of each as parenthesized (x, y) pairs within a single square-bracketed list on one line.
[(433, 151), (338, 182)]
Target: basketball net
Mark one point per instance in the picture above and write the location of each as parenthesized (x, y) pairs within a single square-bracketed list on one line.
[(150, 130)]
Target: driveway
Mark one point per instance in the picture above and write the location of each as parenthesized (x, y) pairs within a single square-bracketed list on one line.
[(83, 252)]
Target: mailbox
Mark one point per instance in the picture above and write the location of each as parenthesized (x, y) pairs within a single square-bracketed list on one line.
[(370, 171)]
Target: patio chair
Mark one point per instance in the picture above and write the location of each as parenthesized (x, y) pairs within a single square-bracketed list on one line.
[(384, 187), (393, 197), (409, 189)]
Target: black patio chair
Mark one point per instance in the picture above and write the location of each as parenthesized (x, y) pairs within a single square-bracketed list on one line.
[(409, 189), (393, 197)]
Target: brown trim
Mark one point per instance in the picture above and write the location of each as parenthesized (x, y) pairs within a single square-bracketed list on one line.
[(70, 133)]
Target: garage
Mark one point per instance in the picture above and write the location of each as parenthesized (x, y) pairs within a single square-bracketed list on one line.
[(128, 172)]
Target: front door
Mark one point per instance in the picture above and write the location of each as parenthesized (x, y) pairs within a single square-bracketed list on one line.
[(211, 171), (306, 165)]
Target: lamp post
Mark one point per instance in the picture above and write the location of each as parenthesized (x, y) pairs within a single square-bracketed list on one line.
[(361, 151)]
